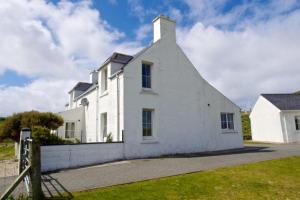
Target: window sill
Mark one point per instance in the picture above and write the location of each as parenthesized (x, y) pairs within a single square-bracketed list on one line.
[(149, 140), (148, 91), (104, 93), (229, 132)]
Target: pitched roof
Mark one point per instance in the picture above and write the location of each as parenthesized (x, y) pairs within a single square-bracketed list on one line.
[(82, 86), (284, 101), (118, 58)]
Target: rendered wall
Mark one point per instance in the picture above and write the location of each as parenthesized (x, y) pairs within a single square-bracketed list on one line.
[(186, 108), (73, 115), (90, 112), (69, 156), (288, 120), (266, 124)]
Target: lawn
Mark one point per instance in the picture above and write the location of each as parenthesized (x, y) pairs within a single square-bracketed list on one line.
[(7, 150), (275, 179)]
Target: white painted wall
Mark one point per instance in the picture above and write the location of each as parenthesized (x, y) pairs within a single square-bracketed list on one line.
[(90, 112), (186, 107), (77, 116), (183, 121), (289, 126), (266, 123), (108, 103), (69, 156)]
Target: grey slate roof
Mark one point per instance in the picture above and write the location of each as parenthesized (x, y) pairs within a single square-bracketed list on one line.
[(118, 58), (284, 101), (82, 86)]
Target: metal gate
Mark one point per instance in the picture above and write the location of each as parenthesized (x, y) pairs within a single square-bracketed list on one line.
[(29, 167)]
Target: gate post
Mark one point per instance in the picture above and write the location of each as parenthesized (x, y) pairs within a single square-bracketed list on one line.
[(35, 172), (25, 133)]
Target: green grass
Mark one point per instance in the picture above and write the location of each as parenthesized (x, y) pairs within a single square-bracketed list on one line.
[(7, 150), (275, 179)]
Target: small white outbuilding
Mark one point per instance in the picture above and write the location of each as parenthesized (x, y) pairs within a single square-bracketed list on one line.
[(276, 118)]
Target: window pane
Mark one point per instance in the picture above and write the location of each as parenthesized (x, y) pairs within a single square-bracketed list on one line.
[(230, 125), (67, 130), (297, 123), (146, 76), (230, 121), (104, 124), (224, 125), (72, 130), (223, 121), (147, 123), (227, 121)]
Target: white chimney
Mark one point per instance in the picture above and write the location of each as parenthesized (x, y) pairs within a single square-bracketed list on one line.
[(164, 27), (94, 77)]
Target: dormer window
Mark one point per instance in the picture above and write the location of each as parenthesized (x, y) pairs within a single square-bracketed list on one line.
[(146, 75)]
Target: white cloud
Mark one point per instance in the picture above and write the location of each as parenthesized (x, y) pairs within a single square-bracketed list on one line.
[(261, 58), (175, 14), (42, 95), (59, 42), (143, 31), (241, 15)]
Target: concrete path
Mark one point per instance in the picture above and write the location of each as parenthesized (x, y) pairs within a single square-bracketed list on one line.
[(143, 169)]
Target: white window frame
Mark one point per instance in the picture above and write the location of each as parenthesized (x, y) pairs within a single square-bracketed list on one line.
[(151, 123), (227, 121), (70, 133), (104, 80), (104, 125), (297, 123), (150, 77)]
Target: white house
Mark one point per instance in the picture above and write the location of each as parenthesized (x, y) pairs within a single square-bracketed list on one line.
[(155, 101), (276, 118)]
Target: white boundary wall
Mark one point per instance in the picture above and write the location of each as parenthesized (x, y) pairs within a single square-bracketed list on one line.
[(57, 157)]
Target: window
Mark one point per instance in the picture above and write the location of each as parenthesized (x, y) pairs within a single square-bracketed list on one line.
[(227, 121), (146, 76), (70, 130), (104, 124), (104, 80), (147, 122), (297, 123)]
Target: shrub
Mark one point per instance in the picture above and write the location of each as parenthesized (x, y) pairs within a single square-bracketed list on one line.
[(11, 126), (246, 125), (43, 136), (109, 137)]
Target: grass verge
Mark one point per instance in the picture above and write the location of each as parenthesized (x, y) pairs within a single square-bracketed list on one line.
[(7, 150), (274, 179)]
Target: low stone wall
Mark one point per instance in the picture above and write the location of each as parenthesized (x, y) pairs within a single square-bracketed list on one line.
[(57, 157)]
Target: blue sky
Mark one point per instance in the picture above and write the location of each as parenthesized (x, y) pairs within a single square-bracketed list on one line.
[(124, 16), (242, 47)]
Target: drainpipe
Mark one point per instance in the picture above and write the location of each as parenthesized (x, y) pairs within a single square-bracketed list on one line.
[(118, 107), (97, 110)]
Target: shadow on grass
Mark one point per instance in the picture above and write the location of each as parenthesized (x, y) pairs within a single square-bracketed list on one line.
[(53, 189)]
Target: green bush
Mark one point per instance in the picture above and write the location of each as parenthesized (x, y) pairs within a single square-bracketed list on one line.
[(246, 125), (11, 126), (109, 137), (43, 136)]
